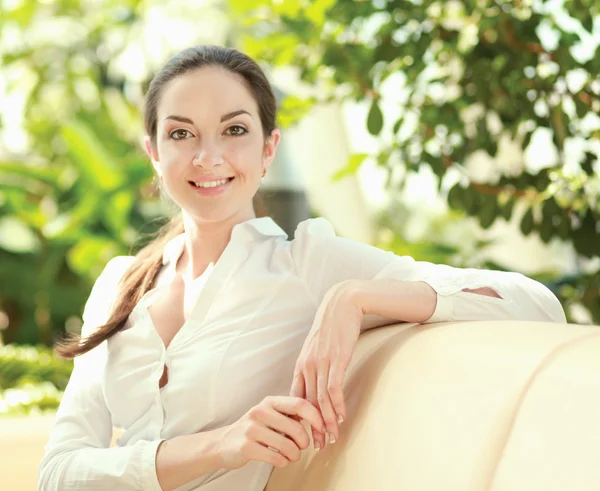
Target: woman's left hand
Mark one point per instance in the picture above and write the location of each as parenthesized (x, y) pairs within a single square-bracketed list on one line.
[(325, 356)]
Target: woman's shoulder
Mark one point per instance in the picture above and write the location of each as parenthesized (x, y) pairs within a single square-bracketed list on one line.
[(104, 290), (113, 271), (315, 239), (314, 227), (118, 264)]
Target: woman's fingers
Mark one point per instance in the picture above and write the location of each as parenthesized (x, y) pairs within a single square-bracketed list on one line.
[(298, 388), (310, 384), (275, 441), (290, 427), (325, 403), (323, 389), (268, 455), (294, 406), (335, 388)]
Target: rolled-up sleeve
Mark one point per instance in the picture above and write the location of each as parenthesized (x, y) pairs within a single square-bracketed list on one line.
[(323, 260), (77, 455)]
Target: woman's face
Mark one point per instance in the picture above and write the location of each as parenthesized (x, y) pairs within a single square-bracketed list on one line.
[(209, 133)]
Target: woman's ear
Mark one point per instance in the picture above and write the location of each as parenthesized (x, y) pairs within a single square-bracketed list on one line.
[(270, 149), (152, 154)]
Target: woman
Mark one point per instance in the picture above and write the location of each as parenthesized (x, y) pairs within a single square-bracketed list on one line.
[(212, 344)]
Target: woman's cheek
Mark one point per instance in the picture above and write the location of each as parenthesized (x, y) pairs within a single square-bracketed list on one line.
[(243, 163), (246, 150), (179, 154)]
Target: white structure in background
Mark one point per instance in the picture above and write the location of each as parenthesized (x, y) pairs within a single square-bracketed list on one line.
[(317, 149)]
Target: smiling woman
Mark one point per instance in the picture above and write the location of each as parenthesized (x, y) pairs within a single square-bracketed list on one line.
[(209, 136), (211, 344)]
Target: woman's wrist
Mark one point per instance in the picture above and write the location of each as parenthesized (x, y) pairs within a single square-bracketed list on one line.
[(187, 457), (408, 301), (209, 448)]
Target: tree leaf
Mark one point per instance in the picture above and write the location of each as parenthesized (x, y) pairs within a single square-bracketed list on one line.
[(455, 197), (23, 170), (375, 118), (397, 125), (507, 209), (527, 222), (546, 229), (90, 250), (97, 167), (17, 237), (488, 212), (354, 163)]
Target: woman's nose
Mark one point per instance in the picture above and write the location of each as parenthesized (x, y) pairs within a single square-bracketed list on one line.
[(208, 155)]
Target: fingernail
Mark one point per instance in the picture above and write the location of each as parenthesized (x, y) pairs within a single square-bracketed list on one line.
[(317, 446), (331, 438), (340, 419)]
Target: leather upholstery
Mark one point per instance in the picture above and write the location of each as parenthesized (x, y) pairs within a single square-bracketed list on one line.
[(499, 406)]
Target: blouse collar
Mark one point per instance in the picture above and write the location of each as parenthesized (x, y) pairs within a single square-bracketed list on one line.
[(264, 225)]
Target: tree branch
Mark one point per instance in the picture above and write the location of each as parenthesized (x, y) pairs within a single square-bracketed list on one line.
[(364, 87), (510, 37), (487, 188), (496, 190)]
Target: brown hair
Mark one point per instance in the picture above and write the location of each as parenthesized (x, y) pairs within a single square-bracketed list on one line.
[(141, 275)]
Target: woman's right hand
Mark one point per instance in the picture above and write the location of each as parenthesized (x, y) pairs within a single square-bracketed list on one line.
[(269, 432)]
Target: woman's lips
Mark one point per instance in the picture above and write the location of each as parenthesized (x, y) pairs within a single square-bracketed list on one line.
[(211, 191)]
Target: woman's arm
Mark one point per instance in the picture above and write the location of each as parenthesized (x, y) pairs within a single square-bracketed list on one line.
[(77, 455), (137, 467), (187, 457), (393, 299), (398, 284), (418, 302)]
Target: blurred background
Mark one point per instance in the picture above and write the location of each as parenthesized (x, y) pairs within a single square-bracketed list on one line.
[(458, 132)]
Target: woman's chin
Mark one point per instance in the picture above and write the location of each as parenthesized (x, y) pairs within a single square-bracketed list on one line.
[(212, 214)]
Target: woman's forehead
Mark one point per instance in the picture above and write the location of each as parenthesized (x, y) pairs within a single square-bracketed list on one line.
[(210, 90)]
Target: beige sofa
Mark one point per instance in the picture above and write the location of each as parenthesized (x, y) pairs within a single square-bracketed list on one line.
[(480, 406)]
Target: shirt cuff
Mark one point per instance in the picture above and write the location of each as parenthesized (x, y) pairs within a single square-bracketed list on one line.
[(444, 309), (148, 477)]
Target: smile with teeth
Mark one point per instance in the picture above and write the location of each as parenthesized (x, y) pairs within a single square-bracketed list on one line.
[(211, 184)]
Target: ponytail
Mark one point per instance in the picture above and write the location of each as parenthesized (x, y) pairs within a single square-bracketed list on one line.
[(137, 280)]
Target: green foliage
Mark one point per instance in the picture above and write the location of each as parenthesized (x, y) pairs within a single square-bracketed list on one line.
[(354, 163), (32, 379), (20, 365), (473, 73), (79, 192)]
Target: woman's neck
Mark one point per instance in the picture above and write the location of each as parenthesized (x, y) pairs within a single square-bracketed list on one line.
[(205, 242)]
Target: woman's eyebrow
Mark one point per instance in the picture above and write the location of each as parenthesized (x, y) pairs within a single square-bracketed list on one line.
[(225, 117), (233, 114), (181, 119)]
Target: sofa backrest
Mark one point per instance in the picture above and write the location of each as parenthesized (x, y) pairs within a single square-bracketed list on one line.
[(499, 406)]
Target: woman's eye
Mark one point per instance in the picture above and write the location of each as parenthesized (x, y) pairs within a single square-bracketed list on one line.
[(179, 134), (236, 130)]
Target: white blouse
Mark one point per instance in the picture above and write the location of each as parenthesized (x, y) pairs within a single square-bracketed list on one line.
[(239, 344)]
